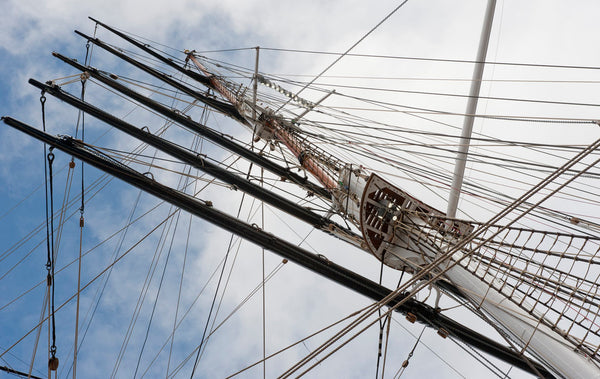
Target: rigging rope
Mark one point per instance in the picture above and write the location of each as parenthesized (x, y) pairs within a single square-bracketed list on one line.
[(346, 52), (255, 290), (297, 342), (144, 290), (109, 268), (197, 145), (100, 274), (410, 354), (81, 115), (202, 340), (176, 222), (381, 323), (53, 361), (387, 321), (578, 67)]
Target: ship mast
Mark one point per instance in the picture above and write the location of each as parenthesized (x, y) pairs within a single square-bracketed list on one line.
[(465, 139), (383, 212), (397, 228)]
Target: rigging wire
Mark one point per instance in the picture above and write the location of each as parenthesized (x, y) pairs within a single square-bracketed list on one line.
[(437, 79), (145, 287), (183, 183), (451, 95), (347, 51), (81, 116), (53, 361), (410, 354), (202, 346), (519, 64), (399, 107), (204, 336), (253, 292), (298, 342), (239, 306), (100, 274), (405, 130), (214, 272), (501, 117), (178, 324), (197, 145), (158, 291)]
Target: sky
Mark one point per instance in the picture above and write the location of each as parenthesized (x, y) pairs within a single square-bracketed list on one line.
[(298, 302)]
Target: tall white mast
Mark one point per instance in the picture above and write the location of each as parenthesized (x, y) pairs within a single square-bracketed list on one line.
[(463, 147)]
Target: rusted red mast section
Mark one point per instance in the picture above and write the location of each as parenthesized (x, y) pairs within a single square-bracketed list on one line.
[(273, 125)]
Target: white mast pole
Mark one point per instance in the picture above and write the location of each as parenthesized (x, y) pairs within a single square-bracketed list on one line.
[(463, 147)]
